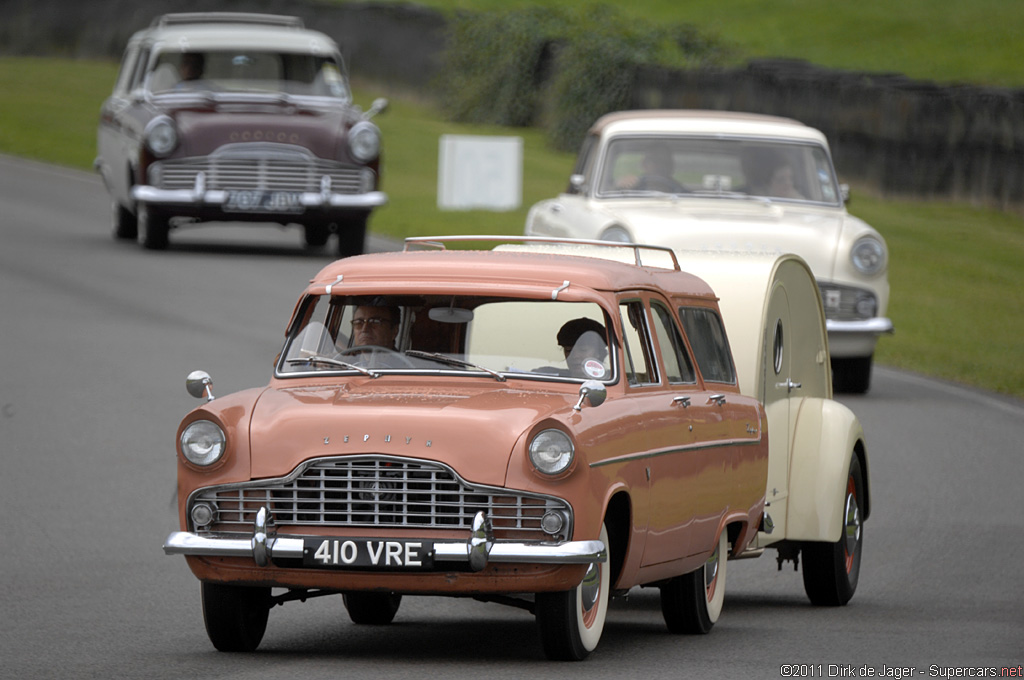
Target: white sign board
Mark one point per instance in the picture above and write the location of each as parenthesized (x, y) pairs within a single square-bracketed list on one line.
[(480, 173)]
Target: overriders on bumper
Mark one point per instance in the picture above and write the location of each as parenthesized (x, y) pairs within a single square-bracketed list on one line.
[(478, 550)]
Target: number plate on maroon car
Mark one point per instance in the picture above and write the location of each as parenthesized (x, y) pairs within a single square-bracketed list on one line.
[(264, 201), (364, 553)]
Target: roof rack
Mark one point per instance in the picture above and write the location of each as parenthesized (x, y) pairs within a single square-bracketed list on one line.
[(226, 18), (438, 242)]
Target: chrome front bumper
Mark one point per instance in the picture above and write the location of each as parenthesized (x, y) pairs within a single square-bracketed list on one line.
[(478, 550), (218, 197), (878, 325)]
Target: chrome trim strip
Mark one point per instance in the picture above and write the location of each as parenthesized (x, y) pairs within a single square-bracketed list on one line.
[(876, 326), (571, 552), (679, 449)]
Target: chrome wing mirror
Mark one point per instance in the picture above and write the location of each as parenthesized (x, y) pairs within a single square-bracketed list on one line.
[(198, 384)]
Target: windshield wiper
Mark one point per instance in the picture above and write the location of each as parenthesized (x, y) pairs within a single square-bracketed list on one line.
[(452, 361), (330, 361)]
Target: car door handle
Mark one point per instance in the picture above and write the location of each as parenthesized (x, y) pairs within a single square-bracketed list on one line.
[(717, 399), (685, 401), (789, 385)]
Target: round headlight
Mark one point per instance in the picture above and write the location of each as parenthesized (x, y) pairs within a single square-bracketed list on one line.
[(868, 255), (364, 141), (161, 137), (616, 234), (203, 442), (551, 452)]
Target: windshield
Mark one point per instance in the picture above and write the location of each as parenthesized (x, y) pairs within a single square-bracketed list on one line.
[(497, 338), (248, 71), (789, 171)]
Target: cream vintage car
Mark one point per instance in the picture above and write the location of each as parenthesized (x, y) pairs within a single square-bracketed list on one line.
[(547, 425), (722, 181)]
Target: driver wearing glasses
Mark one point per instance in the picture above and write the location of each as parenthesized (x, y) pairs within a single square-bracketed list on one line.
[(375, 326), (374, 329)]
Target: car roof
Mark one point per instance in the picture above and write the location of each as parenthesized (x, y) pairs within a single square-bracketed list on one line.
[(235, 30), (693, 121), (529, 271)]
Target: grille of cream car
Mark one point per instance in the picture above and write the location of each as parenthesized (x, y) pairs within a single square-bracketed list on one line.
[(378, 492), (261, 174), (846, 303)]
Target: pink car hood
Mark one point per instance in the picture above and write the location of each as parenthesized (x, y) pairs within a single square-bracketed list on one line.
[(472, 428)]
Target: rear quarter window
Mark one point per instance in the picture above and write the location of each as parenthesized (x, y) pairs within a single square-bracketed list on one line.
[(710, 346)]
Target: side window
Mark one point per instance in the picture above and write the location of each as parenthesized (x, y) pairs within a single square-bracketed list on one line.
[(139, 72), (673, 351), (639, 365), (707, 338), (127, 67), (584, 162)]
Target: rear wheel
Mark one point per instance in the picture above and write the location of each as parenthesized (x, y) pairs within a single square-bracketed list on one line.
[(571, 621), (235, 616), (691, 603), (155, 227), (374, 609), (852, 375), (832, 570), (126, 225), (352, 236)]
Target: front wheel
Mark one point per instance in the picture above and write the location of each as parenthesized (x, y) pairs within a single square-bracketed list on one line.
[(831, 570), (316, 234), (852, 375), (352, 236), (691, 603), (374, 609), (154, 227), (235, 616), (126, 225), (571, 621)]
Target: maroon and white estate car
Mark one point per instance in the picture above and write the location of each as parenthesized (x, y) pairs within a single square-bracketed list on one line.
[(238, 117), (547, 425)]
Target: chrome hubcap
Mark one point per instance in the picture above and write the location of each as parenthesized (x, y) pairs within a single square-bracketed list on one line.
[(852, 528), (590, 588)]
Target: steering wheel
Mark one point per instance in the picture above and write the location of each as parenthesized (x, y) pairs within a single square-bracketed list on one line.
[(379, 356)]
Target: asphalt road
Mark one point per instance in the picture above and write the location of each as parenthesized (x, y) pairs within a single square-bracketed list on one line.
[(98, 336)]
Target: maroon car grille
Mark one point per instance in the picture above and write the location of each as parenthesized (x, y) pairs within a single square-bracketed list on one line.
[(260, 174), (377, 492)]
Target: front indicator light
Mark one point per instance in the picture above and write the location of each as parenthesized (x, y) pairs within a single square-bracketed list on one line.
[(203, 514)]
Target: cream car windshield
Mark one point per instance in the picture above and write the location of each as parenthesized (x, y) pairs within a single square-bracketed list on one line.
[(722, 167), (495, 338), (247, 71)]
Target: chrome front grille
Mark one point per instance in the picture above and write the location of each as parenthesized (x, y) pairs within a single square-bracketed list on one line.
[(377, 491), (846, 303), (261, 174)]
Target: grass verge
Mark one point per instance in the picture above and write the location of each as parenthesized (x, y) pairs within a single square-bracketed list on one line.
[(956, 272)]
